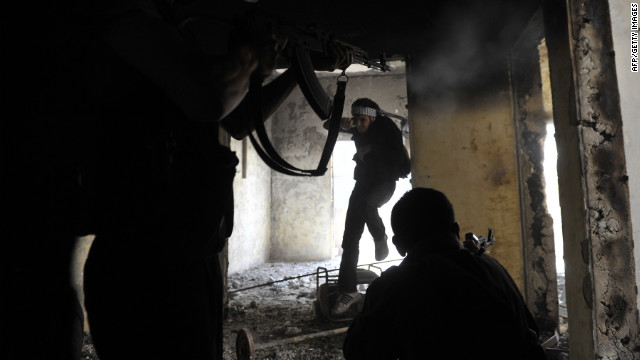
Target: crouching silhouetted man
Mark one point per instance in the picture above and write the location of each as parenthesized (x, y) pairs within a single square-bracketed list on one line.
[(442, 301)]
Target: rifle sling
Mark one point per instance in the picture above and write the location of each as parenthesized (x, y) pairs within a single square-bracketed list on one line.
[(309, 84), (267, 152)]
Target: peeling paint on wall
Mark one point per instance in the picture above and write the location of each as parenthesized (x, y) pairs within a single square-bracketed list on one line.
[(612, 275), (629, 89), (601, 281)]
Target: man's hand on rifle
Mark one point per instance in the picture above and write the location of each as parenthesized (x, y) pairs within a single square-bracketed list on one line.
[(346, 123), (256, 51), (338, 57)]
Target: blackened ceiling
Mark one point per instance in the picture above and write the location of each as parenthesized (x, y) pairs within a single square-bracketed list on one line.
[(455, 43), (403, 27)]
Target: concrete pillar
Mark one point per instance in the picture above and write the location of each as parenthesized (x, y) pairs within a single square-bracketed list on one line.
[(593, 183), (629, 88)]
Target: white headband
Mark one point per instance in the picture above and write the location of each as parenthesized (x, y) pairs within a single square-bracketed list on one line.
[(363, 110)]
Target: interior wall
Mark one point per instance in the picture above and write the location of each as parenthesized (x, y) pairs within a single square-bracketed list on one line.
[(593, 182), (302, 217), (248, 245), (301, 207), (463, 144)]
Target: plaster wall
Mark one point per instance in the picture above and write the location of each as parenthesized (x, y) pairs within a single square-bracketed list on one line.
[(464, 146), (629, 87), (301, 207), (610, 289), (248, 245), (593, 182)]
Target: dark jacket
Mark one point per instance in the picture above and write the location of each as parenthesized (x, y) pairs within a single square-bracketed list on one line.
[(443, 302), (387, 154)]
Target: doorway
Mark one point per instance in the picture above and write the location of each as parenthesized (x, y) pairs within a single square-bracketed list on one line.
[(343, 183)]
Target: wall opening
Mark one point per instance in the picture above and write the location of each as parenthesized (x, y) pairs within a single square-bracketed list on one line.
[(551, 191), (533, 112), (553, 206), (550, 166), (343, 183)]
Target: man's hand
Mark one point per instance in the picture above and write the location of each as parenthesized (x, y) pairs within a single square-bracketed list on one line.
[(268, 52), (346, 123), (338, 57), (256, 49)]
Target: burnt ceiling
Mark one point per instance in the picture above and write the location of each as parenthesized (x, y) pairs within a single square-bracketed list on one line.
[(402, 27), (456, 43)]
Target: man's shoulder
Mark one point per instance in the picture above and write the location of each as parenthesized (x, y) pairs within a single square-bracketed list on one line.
[(410, 268), (492, 263), (391, 273), (390, 277), (386, 123)]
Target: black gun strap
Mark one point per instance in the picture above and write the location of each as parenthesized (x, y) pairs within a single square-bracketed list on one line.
[(272, 164), (267, 152), (267, 149)]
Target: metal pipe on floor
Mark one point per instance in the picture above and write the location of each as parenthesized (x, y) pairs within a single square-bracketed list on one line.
[(245, 346)]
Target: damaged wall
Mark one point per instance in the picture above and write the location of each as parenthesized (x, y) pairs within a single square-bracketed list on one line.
[(530, 120), (249, 243), (463, 144), (593, 182), (301, 207), (629, 85)]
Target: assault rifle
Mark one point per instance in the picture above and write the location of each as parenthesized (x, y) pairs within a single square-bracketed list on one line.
[(478, 245), (303, 43)]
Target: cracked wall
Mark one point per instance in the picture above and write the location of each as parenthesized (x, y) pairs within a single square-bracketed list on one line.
[(629, 85), (607, 195), (601, 273), (248, 245)]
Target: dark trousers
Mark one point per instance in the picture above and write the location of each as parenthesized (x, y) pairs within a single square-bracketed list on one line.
[(365, 200)]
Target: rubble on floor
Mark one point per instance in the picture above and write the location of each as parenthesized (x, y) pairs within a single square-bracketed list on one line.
[(271, 307), (281, 311)]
